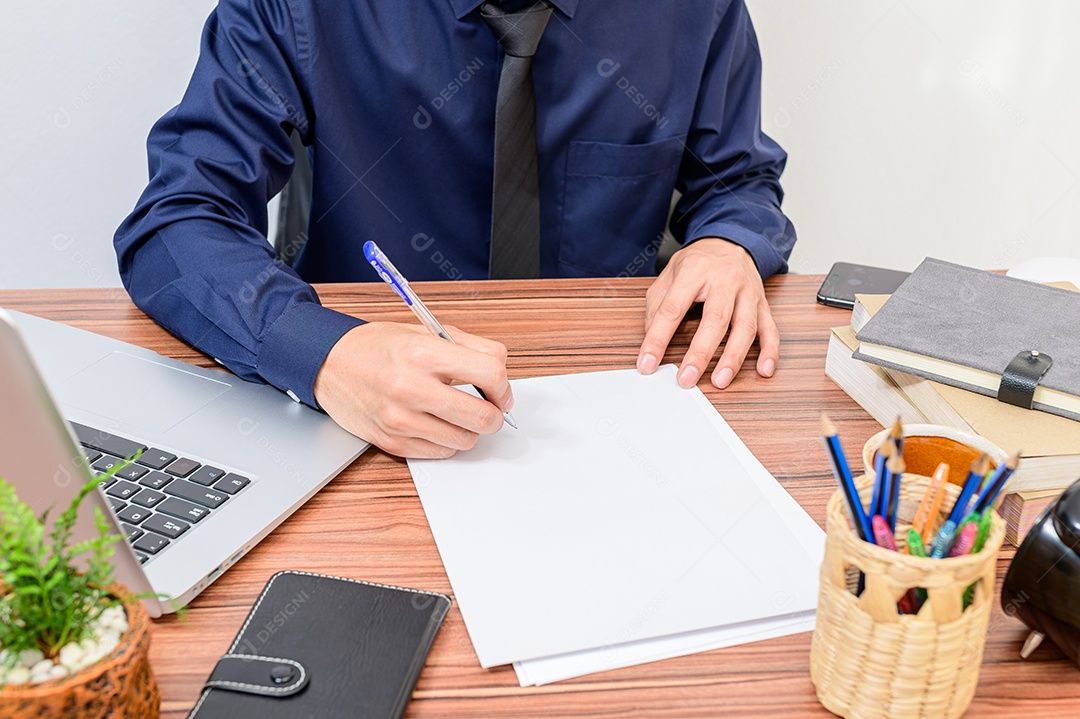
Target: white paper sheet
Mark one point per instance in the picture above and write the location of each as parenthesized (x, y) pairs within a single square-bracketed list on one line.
[(617, 513), (536, 672)]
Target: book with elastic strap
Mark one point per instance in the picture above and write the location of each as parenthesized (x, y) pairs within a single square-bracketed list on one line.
[(1049, 444), (963, 326), (321, 646)]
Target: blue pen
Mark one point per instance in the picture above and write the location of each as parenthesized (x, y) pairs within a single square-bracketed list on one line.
[(397, 281), (944, 539)]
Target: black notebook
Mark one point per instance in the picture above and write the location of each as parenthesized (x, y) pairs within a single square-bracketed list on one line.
[(321, 646)]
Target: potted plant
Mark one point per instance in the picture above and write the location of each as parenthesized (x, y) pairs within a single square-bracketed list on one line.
[(72, 642)]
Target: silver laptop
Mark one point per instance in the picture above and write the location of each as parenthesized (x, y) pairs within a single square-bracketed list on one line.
[(221, 461)]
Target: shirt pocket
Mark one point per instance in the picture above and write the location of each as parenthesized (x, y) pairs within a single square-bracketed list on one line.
[(615, 204)]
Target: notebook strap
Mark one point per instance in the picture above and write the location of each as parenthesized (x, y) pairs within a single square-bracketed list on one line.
[(1021, 377), (253, 674)]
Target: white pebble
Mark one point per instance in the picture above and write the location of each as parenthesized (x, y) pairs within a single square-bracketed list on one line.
[(30, 657), (92, 656), (43, 666), (58, 671), (70, 654), (18, 675)]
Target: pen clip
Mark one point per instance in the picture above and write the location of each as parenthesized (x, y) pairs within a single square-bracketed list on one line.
[(386, 270)]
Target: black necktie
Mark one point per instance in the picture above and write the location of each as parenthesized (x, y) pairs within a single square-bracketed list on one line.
[(515, 221)]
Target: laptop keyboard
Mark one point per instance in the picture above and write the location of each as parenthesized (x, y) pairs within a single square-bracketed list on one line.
[(159, 497)]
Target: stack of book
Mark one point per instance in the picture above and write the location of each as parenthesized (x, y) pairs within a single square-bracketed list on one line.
[(1049, 443), (1021, 509)]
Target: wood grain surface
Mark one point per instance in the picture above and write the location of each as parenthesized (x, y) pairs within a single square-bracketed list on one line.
[(368, 523)]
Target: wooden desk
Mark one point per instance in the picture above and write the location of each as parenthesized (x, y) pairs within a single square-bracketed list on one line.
[(368, 523)]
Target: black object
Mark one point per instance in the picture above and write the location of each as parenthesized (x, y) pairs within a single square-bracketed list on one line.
[(1042, 586), (321, 646), (1021, 377), (845, 279)]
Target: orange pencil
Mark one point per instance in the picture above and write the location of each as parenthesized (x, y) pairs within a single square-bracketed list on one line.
[(927, 529)]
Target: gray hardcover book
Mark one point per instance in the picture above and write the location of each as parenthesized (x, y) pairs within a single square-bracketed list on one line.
[(975, 319)]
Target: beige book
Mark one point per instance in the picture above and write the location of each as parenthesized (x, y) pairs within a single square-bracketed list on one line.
[(872, 387)]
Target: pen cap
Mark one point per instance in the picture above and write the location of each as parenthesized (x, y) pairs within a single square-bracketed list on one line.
[(867, 659), (1043, 581), (926, 445)]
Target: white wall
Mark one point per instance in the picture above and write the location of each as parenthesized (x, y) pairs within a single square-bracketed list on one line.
[(80, 85), (922, 127), (914, 127)]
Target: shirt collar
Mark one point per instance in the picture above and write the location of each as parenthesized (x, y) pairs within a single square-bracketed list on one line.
[(462, 8)]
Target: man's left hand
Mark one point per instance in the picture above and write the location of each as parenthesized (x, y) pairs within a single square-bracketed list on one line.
[(721, 275)]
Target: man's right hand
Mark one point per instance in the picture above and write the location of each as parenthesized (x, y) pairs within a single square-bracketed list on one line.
[(390, 384)]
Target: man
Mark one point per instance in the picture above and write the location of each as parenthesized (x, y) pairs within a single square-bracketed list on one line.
[(397, 103)]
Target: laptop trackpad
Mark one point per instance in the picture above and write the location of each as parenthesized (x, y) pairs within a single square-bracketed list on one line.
[(122, 388)]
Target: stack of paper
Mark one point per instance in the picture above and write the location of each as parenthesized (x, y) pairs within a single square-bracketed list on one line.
[(624, 522)]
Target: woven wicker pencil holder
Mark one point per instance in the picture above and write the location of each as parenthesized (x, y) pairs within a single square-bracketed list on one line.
[(866, 659)]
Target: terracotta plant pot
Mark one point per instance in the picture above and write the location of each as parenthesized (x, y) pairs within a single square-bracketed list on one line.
[(119, 686)]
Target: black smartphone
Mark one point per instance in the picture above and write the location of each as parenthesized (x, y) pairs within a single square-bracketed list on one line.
[(845, 279)]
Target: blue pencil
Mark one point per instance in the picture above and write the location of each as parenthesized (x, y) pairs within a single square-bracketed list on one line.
[(897, 434), (995, 484), (877, 499), (843, 477), (895, 469), (975, 477)]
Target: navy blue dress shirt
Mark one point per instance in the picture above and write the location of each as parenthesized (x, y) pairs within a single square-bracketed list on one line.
[(396, 101)]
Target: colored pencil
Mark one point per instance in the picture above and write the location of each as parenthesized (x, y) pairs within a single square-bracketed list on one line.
[(897, 436), (995, 484), (975, 477), (877, 499), (842, 472), (895, 470)]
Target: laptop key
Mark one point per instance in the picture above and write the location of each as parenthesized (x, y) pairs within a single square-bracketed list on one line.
[(155, 480), (141, 557), (107, 482), (171, 528), (105, 442), (122, 489), (148, 498), (232, 483), (131, 533), (105, 463), (133, 514), (92, 455), (155, 458), (193, 492), (182, 509), (132, 472), (150, 543), (116, 504), (207, 475), (182, 467)]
